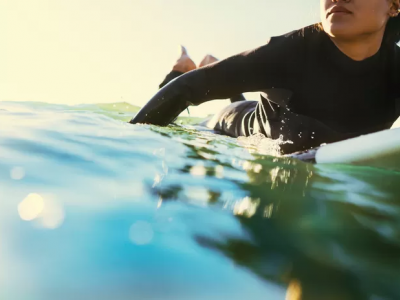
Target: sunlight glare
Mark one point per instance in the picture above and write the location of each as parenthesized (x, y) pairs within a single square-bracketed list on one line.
[(246, 207), (17, 173), (31, 207)]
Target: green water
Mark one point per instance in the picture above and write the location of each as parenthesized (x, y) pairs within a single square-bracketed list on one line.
[(124, 211)]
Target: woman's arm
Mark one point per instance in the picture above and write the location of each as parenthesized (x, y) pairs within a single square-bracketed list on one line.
[(170, 76), (258, 69)]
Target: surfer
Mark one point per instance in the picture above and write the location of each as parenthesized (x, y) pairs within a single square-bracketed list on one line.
[(320, 84)]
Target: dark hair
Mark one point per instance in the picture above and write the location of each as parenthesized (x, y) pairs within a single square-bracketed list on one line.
[(392, 32)]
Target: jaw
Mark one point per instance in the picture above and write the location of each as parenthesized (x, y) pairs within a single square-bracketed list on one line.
[(340, 25), (348, 32), (338, 29)]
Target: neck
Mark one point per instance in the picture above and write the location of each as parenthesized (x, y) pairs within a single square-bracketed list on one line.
[(360, 48)]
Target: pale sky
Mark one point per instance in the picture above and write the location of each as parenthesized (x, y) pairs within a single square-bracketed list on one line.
[(96, 51)]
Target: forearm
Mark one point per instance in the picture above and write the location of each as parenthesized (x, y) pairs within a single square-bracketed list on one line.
[(171, 76), (246, 72), (173, 98)]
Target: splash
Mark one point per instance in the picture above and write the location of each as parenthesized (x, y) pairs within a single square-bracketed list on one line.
[(260, 144)]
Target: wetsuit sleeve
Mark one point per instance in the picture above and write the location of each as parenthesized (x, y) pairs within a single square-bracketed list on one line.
[(171, 75), (261, 68), (174, 74)]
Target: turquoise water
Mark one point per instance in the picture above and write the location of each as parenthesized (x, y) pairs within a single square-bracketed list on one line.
[(95, 208)]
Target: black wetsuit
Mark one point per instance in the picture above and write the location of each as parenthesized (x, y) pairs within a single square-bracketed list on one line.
[(311, 92)]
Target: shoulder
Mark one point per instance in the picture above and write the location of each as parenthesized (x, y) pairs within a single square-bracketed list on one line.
[(309, 34), (290, 45), (300, 38)]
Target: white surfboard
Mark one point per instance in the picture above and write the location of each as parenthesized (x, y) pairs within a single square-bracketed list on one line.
[(380, 149)]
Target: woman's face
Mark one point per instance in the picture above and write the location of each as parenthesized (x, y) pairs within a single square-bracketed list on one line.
[(350, 19)]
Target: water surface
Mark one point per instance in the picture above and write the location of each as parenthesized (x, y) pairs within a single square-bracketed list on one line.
[(94, 208)]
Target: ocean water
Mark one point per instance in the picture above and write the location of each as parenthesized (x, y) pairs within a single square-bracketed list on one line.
[(94, 208)]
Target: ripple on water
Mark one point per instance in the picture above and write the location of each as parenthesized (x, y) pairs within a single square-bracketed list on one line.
[(112, 210)]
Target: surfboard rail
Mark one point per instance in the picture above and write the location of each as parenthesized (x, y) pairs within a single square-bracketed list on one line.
[(381, 149)]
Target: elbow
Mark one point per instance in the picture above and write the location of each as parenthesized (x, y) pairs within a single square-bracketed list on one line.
[(172, 99)]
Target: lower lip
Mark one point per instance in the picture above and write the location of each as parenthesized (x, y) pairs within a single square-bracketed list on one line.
[(339, 13)]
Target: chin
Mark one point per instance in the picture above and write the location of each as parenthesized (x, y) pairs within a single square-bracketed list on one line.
[(339, 29)]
